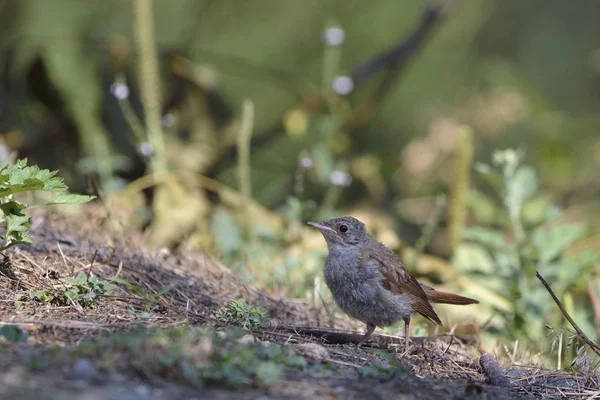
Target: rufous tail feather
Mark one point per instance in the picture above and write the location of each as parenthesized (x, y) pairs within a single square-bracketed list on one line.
[(435, 296)]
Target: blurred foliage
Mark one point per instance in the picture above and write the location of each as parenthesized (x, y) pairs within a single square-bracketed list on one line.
[(195, 356), (527, 233), (257, 140)]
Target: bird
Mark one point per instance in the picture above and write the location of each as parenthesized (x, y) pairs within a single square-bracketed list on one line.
[(369, 283)]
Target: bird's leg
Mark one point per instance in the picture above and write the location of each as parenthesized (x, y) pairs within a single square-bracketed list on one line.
[(406, 334), (370, 329)]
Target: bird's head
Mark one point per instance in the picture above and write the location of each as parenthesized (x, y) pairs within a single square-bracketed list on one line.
[(344, 231)]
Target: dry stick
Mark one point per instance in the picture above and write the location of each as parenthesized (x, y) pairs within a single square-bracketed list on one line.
[(595, 348), (332, 336)]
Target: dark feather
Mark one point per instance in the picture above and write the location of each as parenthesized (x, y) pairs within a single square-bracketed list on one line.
[(398, 280)]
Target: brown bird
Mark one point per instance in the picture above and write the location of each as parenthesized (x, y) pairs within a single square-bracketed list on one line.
[(369, 283)]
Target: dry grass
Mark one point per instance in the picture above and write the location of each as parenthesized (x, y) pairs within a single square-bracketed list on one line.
[(200, 285)]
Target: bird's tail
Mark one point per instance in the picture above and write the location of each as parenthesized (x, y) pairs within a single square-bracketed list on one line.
[(435, 296)]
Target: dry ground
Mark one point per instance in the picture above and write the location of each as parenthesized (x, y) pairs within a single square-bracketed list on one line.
[(101, 352)]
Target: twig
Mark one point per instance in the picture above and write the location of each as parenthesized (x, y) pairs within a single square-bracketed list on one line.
[(333, 336), (595, 348), (397, 56)]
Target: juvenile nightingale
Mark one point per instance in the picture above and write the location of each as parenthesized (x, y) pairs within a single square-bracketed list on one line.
[(369, 283)]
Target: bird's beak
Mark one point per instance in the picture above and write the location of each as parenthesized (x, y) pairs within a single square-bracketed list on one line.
[(320, 226)]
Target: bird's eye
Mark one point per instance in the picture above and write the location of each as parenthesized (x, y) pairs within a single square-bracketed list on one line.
[(343, 228)]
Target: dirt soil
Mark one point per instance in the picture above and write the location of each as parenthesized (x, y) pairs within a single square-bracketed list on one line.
[(69, 350)]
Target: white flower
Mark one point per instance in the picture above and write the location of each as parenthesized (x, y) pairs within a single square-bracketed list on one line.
[(334, 36), (343, 85), (168, 120), (340, 178), (306, 162), (119, 90), (146, 149)]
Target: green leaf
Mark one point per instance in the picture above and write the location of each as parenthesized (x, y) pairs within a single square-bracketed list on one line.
[(226, 231), (164, 291), (119, 280), (71, 281), (550, 242), (473, 257), (519, 188), (268, 372), (487, 237), (41, 295), (483, 208), (72, 294), (13, 333), (17, 223), (490, 175), (81, 278), (19, 178), (128, 285), (67, 198)]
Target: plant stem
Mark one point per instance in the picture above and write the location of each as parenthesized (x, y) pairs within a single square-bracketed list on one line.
[(149, 80), (137, 128), (243, 144), (458, 209)]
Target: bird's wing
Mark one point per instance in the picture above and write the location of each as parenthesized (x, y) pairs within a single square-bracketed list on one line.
[(398, 280)]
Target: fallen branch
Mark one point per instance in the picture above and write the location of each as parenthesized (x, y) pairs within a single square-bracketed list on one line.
[(332, 336), (595, 348)]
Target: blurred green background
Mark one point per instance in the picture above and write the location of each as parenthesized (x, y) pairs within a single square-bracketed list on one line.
[(423, 163)]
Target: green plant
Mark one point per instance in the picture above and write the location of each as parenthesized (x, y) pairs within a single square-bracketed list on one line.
[(18, 178), (150, 299), (82, 290), (13, 333), (518, 235), (194, 355), (237, 312), (381, 370)]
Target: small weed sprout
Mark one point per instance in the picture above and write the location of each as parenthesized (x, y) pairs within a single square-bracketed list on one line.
[(82, 290), (237, 312), (150, 299)]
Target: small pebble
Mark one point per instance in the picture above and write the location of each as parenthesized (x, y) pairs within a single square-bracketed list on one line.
[(142, 390), (246, 339), (84, 370), (312, 351)]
